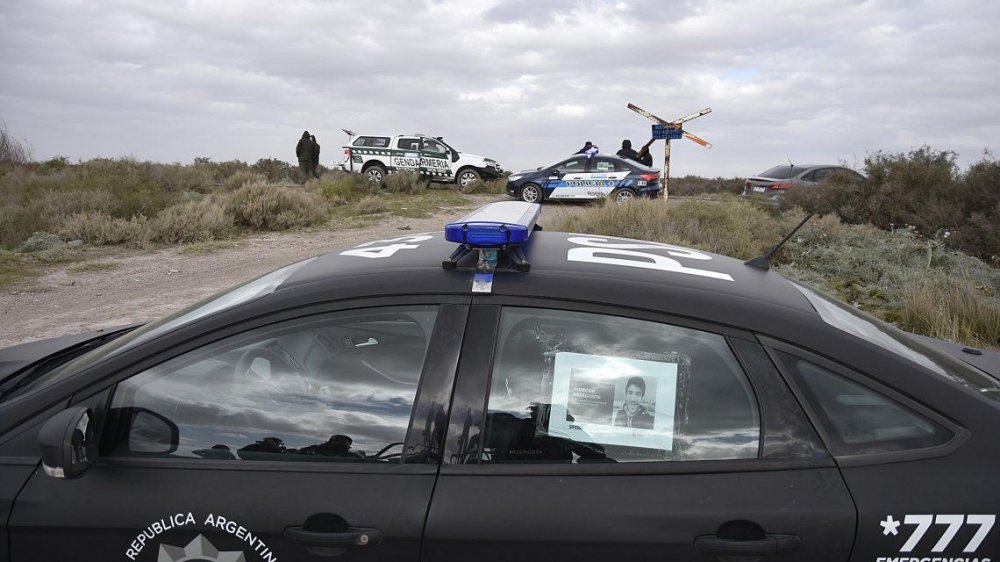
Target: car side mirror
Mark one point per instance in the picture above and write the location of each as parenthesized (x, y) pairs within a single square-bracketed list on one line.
[(68, 443), (149, 432), (454, 156)]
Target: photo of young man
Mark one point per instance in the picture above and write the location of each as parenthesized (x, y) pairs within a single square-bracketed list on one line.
[(633, 413)]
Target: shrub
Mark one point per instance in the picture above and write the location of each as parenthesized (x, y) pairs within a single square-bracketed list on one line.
[(241, 178), (343, 186), (404, 182), (104, 229), (371, 204), (266, 207), (275, 170), (40, 241), (194, 221), (923, 189), (694, 185)]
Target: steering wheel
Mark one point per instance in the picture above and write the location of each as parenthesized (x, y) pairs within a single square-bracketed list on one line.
[(281, 369)]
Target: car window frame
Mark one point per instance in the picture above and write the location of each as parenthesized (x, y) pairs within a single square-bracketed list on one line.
[(408, 139), (961, 434), (473, 381), (558, 168), (433, 391)]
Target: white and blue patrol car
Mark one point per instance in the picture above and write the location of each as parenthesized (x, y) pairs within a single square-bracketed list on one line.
[(583, 177), (378, 155)]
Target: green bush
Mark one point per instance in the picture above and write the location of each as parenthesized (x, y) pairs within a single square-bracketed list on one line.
[(404, 182), (338, 186), (275, 170), (923, 189), (103, 229), (260, 206), (241, 178), (194, 221), (696, 185), (371, 204), (40, 241)]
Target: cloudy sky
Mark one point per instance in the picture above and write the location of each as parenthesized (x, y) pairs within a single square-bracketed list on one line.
[(522, 81)]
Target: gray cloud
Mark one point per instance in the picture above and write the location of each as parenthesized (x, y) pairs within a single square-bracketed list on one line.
[(524, 82)]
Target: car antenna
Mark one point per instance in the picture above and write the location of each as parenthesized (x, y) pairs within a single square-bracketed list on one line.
[(790, 162), (349, 133), (764, 261)]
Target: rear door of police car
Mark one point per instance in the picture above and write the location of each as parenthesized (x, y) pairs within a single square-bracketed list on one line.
[(590, 433), (297, 436)]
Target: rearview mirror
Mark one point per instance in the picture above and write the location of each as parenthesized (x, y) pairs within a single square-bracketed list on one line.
[(68, 443)]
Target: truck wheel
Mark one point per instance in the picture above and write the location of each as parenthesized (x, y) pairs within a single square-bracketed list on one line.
[(375, 174), (531, 193), (467, 176)]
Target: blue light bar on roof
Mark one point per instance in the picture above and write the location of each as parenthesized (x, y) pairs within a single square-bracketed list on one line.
[(505, 223)]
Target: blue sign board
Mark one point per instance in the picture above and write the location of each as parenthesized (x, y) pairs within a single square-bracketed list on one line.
[(664, 132)]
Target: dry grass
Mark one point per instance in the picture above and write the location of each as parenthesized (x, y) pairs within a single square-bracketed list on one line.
[(952, 309)]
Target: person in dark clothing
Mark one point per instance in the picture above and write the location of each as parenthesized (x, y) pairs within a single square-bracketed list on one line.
[(633, 413), (315, 160), (304, 151), (588, 149), (627, 151), (644, 157)]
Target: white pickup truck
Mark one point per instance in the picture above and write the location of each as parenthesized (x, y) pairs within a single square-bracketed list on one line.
[(378, 155)]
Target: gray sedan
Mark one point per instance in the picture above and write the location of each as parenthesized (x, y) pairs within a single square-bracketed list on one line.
[(771, 184)]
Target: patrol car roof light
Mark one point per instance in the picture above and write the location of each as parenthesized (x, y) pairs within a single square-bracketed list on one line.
[(501, 225)]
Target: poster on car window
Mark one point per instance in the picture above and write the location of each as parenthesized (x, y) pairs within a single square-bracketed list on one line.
[(613, 400)]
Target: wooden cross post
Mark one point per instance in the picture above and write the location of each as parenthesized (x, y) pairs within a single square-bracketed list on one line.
[(668, 130)]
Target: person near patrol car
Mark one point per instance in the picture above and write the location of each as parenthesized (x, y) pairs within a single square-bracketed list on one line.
[(589, 149), (627, 152), (304, 151)]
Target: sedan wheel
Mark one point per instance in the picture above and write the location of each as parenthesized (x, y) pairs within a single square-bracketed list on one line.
[(531, 193), (624, 195)]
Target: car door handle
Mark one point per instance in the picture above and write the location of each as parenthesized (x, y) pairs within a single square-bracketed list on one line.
[(353, 536), (770, 545)]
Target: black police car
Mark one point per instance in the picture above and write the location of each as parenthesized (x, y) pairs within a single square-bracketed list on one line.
[(497, 393), (583, 177)]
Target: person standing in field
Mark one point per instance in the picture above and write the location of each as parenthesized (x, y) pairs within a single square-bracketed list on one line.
[(304, 151), (315, 160)]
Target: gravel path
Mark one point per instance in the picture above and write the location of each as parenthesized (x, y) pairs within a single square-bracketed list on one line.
[(144, 286)]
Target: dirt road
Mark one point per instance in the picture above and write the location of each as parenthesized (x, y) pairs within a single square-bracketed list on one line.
[(143, 286)]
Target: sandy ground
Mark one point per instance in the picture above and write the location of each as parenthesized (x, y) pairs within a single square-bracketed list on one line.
[(144, 286)]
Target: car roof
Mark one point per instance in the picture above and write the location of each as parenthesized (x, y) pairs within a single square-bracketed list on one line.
[(728, 291)]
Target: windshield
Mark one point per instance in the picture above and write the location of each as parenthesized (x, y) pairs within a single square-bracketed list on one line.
[(259, 287), (890, 338), (781, 172)]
